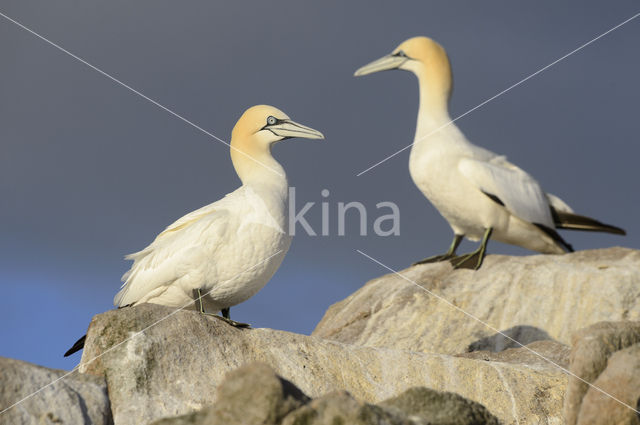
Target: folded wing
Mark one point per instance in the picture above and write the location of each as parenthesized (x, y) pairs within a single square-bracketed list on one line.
[(511, 186), (180, 248)]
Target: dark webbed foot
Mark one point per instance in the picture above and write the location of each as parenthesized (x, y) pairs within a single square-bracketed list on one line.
[(229, 321), (449, 255), (226, 312), (473, 260)]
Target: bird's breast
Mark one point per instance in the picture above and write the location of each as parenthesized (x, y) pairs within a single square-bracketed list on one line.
[(435, 172), (253, 249)]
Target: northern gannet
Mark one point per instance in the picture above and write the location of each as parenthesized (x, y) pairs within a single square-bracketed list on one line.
[(222, 254), (480, 194)]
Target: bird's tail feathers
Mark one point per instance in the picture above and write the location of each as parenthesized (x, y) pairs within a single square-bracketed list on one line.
[(79, 345), (570, 221), (117, 300)]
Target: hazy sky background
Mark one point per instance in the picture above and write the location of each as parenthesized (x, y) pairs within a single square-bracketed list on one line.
[(90, 172)]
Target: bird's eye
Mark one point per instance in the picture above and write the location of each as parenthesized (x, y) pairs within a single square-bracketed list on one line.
[(400, 53), (271, 120)]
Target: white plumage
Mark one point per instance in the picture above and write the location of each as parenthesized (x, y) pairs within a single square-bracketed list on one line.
[(229, 249), (222, 254), (222, 249), (479, 193)]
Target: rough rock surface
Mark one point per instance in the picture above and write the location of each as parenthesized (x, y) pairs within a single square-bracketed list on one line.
[(438, 408), (77, 399), (251, 394), (621, 379), (531, 298), (608, 356), (175, 367), (340, 407), (531, 354), (242, 399), (443, 347)]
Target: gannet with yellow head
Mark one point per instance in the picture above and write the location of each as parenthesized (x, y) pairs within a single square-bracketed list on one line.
[(480, 194), (222, 254)]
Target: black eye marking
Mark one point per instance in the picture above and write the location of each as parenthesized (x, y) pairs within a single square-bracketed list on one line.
[(271, 121), (400, 54)]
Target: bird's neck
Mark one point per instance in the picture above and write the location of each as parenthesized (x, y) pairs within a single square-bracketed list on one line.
[(435, 90), (264, 178), (256, 167)]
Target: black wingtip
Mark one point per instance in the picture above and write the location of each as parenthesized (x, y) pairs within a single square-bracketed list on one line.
[(555, 236), (494, 198), (79, 345)]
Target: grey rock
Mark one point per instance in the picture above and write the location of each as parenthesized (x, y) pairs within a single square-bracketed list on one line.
[(514, 337), (540, 296), (76, 399), (251, 394), (175, 367), (340, 407), (254, 394), (620, 379), (592, 350), (201, 417), (439, 408)]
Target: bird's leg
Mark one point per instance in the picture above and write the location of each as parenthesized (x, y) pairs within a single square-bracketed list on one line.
[(198, 300), (225, 312), (451, 253), (474, 259)]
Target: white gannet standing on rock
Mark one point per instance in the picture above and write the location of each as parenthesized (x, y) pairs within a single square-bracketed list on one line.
[(222, 254), (480, 194)]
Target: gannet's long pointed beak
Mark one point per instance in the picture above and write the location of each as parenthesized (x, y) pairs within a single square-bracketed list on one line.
[(289, 129), (382, 64)]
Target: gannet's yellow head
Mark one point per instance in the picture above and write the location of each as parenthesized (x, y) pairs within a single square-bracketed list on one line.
[(264, 125), (258, 128), (422, 56), (410, 55)]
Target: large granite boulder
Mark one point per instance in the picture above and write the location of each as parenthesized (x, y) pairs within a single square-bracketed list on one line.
[(605, 386), (428, 345), (435, 309), (175, 367), (37, 395)]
